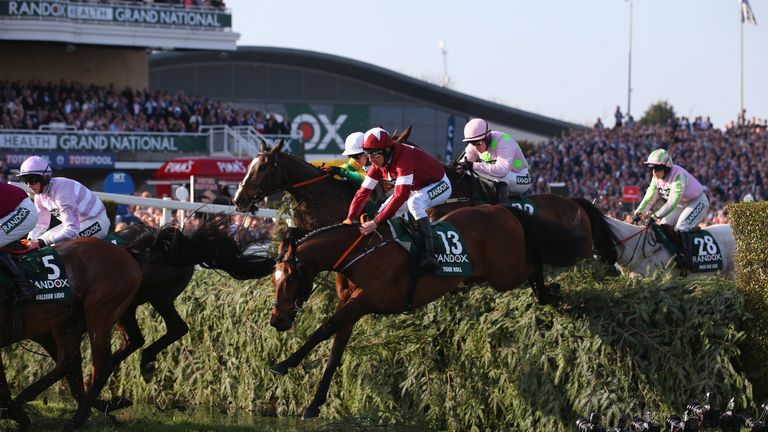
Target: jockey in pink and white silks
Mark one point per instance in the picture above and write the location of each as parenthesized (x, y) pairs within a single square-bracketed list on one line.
[(17, 217), (495, 156), (686, 204), (80, 212)]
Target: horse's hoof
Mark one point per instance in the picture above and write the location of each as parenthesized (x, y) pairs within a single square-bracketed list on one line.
[(118, 403), (551, 295), (279, 369), (148, 372), (310, 412)]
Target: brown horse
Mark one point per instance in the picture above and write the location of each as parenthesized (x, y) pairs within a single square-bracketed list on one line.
[(167, 269), (322, 201), (381, 273), (104, 279)]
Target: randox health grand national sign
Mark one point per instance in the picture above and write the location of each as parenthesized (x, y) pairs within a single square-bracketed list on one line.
[(142, 15), (104, 142)]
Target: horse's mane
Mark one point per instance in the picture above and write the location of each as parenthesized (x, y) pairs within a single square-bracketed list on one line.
[(319, 231)]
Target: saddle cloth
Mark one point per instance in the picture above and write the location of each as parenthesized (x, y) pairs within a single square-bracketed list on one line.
[(451, 252)]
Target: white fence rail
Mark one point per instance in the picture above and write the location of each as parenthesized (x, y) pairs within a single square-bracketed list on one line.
[(169, 204)]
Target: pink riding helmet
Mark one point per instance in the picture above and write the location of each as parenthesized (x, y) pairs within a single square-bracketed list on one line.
[(476, 129)]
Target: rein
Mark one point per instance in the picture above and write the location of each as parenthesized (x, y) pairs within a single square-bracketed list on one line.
[(634, 235), (310, 181)]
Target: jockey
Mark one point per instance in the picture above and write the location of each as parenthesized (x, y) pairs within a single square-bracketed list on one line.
[(495, 156), (17, 217), (686, 204), (80, 212), (354, 168), (420, 183)]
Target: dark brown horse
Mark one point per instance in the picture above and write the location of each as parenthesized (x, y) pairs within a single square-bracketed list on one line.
[(322, 201), (169, 256), (380, 271), (104, 279)]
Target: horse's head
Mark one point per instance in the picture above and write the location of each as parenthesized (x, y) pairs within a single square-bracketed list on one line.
[(263, 178), (293, 285)]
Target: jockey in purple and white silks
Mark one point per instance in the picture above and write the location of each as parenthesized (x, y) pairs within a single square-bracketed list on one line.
[(495, 156), (81, 213), (686, 203)]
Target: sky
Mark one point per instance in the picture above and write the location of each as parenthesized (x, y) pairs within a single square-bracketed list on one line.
[(564, 59)]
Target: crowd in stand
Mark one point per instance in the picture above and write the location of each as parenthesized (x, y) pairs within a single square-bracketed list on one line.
[(597, 163), (97, 108)]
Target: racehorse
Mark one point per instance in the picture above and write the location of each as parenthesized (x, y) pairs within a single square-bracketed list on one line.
[(166, 271), (641, 252), (103, 280), (323, 201), (320, 199), (381, 273)]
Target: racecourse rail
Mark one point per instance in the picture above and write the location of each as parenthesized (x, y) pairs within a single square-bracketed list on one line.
[(168, 204)]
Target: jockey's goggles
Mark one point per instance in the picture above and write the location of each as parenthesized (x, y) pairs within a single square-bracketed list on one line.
[(657, 167), (374, 152), (478, 142), (31, 179)]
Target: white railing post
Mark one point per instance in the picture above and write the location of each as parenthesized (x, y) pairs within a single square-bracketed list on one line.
[(167, 214)]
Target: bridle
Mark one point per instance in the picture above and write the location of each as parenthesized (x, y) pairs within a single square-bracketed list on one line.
[(271, 166), (306, 289), (646, 240)]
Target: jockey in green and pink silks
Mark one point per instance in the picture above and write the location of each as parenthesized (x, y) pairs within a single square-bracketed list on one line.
[(686, 203), (495, 156)]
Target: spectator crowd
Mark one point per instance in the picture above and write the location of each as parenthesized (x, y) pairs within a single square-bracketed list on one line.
[(97, 108), (597, 163)]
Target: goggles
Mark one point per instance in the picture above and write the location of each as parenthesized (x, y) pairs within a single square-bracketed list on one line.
[(31, 179)]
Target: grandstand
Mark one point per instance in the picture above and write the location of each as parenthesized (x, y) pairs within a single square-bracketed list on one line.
[(144, 87)]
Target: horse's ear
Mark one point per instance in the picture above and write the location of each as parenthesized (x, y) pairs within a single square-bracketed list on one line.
[(394, 135), (405, 134), (263, 145), (278, 146)]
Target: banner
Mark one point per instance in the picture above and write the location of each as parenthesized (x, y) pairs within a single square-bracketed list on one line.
[(66, 160), (323, 131), (104, 142), (142, 15), (449, 139)]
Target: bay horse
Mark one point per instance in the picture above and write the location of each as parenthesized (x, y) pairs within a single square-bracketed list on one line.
[(103, 280), (381, 275), (322, 201), (640, 252), (166, 271)]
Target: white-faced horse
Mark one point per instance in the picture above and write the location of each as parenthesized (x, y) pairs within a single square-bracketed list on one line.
[(640, 252)]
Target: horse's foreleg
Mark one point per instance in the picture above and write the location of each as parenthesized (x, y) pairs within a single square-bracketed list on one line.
[(130, 334), (340, 341), (545, 294), (176, 328), (102, 367), (58, 345), (7, 409), (346, 315)]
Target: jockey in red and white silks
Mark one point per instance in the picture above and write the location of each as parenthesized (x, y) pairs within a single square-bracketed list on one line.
[(17, 214), (420, 183), (686, 203), (81, 213), (420, 179), (496, 156)]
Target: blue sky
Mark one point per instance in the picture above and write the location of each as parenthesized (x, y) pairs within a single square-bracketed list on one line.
[(560, 58)]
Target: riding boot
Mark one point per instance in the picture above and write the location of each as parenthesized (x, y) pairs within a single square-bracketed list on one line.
[(502, 192), (428, 259), (681, 260), (25, 291)]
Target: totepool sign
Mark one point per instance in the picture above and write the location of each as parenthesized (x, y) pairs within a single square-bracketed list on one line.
[(324, 131)]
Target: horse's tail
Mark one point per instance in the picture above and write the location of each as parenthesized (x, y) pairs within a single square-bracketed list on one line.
[(210, 246), (550, 243), (604, 240)]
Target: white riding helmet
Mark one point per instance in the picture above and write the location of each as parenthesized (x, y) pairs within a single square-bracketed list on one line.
[(353, 144), (659, 157), (35, 165), (476, 129)]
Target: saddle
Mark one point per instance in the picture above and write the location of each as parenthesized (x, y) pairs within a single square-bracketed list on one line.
[(695, 250), (485, 191)]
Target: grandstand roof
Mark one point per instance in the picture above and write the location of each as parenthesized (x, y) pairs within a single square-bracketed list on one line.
[(377, 76)]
